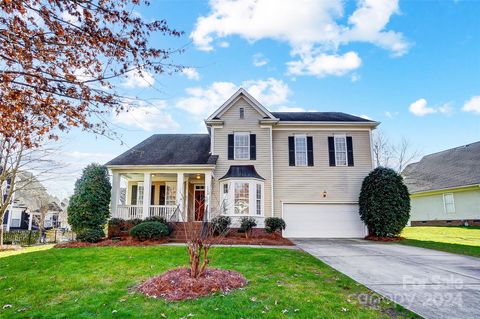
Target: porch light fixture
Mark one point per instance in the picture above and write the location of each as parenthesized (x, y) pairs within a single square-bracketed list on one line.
[(198, 176), (324, 194)]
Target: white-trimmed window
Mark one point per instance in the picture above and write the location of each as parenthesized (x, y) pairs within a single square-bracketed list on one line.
[(449, 203), (170, 193), (242, 197), (340, 150), (300, 150), (259, 199), (241, 145), (140, 193), (242, 113)]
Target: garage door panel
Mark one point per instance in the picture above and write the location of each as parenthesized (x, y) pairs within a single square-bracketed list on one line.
[(322, 221)]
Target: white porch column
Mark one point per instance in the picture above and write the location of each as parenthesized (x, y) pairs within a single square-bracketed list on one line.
[(147, 188), (208, 192), (180, 194), (186, 198), (115, 193), (30, 220)]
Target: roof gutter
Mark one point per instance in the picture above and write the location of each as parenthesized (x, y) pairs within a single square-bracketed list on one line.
[(328, 123), (163, 167), (448, 189)]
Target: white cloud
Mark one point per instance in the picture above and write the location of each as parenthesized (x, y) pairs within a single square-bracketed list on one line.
[(324, 65), (202, 101), (259, 60), (138, 79), (363, 116), (391, 115), (420, 108), (191, 74), (148, 117), (446, 109), (472, 105), (224, 44), (312, 28), (354, 77)]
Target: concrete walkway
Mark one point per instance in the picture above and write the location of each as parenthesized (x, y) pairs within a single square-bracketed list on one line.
[(431, 283)]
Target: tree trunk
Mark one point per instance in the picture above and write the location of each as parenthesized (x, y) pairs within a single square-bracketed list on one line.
[(1, 235)]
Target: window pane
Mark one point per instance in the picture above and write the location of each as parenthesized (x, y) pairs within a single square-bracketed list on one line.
[(340, 151), (241, 198), (242, 146), (259, 199), (140, 194), (449, 203), (301, 151), (171, 194), (15, 222)]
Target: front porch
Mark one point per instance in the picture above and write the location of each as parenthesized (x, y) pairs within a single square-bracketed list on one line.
[(177, 196)]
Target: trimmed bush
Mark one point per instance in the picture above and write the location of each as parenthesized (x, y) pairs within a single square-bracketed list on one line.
[(221, 224), (91, 235), (118, 222), (134, 222), (246, 225), (273, 224), (384, 203), (149, 231), (159, 219)]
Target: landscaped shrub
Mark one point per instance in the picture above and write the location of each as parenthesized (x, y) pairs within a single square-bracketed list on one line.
[(273, 224), (246, 225), (21, 237), (118, 222), (134, 222), (159, 219), (89, 206), (149, 231), (384, 203), (221, 224), (91, 235)]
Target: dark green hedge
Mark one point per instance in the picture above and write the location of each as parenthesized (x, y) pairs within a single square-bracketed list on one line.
[(149, 231), (273, 224), (384, 203)]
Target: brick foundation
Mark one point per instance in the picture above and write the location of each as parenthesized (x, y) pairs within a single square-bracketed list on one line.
[(453, 222)]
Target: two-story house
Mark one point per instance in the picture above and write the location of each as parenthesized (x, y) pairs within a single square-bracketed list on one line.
[(306, 167)]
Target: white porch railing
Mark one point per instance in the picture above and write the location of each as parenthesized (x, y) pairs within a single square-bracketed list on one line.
[(136, 211)]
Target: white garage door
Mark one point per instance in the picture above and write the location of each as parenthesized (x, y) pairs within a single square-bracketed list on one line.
[(323, 221)]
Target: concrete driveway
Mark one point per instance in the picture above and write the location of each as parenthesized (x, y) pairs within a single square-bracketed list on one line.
[(431, 283)]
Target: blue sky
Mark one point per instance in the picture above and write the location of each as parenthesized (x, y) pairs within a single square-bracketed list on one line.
[(412, 65)]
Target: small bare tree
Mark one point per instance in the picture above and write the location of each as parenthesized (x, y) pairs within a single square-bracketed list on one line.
[(382, 149), (388, 154), (405, 154)]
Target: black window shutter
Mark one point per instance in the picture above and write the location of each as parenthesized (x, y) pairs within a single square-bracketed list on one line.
[(310, 150), (133, 198), (152, 195), (162, 194), (350, 150), (230, 146), (331, 151), (291, 151), (253, 147)]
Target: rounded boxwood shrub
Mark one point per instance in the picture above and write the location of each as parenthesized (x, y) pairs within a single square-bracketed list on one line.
[(221, 224), (134, 222), (90, 235), (246, 225), (159, 219), (149, 231), (273, 224), (116, 222), (384, 203)]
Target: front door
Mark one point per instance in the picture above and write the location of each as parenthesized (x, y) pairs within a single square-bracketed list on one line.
[(199, 205)]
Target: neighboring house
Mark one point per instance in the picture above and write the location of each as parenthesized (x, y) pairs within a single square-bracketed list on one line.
[(24, 209), (445, 187), (306, 167)]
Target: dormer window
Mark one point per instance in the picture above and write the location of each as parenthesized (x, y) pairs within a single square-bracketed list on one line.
[(242, 113)]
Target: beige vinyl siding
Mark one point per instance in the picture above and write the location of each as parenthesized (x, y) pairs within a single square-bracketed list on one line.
[(233, 123), (430, 207), (306, 184)]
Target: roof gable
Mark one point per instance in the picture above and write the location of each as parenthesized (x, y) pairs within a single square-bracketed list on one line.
[(241, 93)]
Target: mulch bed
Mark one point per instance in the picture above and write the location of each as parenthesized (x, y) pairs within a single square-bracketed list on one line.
[(176, 284), (268, 240), (109, 242), (385, 239)]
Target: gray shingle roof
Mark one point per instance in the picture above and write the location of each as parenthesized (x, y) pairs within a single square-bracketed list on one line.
[(459, 166), (242, 171), (319, 117), (169, 149)]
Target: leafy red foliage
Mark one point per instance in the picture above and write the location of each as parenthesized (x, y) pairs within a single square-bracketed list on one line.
[(178, 284)]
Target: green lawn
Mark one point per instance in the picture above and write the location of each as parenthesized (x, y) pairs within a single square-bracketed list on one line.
[(460, 240), (99, 283), (25, 250)]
